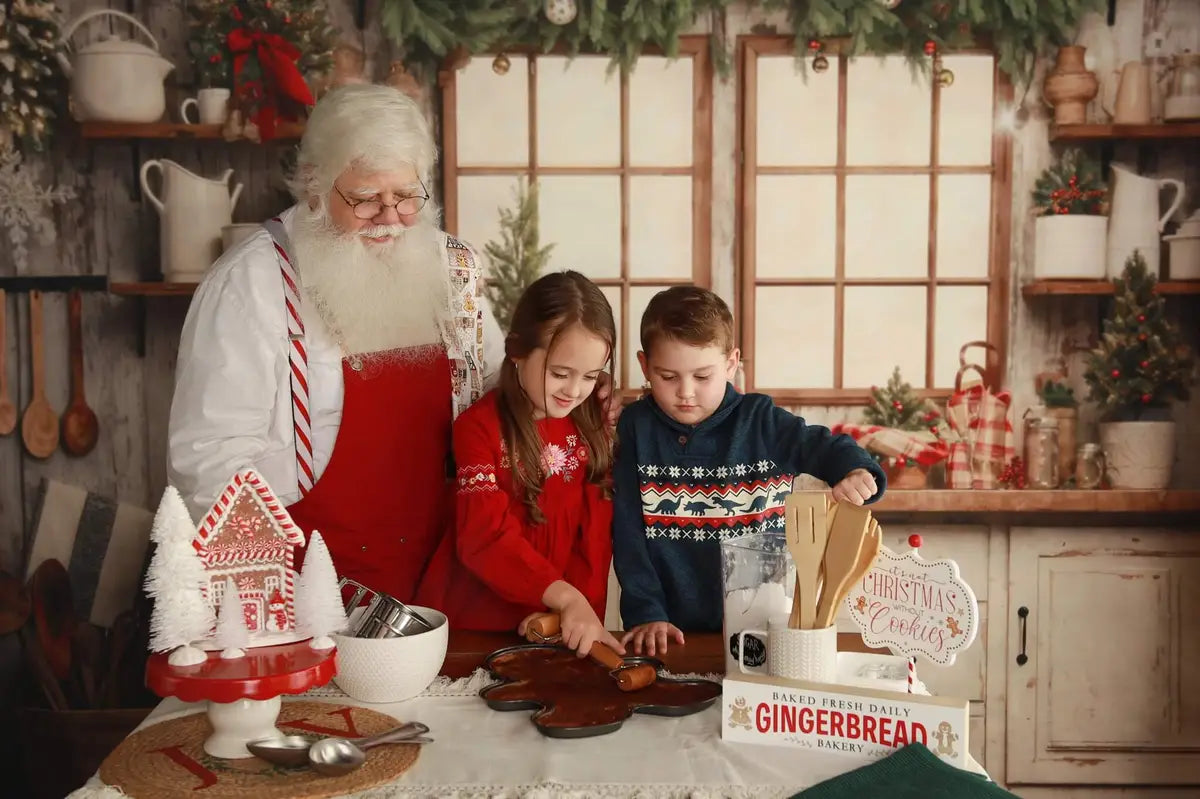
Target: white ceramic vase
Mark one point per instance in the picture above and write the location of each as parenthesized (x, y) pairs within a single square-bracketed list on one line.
[(1138, 455), (1070, 247)]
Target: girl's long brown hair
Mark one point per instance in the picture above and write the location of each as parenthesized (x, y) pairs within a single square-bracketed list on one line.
[(552, 304)]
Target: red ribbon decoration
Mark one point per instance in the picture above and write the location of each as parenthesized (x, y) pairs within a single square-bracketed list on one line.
[(277, 59)]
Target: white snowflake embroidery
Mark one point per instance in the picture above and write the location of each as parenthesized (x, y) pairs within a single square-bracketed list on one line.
[(740, 469), (24, 204), (722, 471), (674, 471), (652, 471), (697, 471)]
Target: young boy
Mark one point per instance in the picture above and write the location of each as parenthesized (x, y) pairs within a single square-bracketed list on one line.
[(697, 463)]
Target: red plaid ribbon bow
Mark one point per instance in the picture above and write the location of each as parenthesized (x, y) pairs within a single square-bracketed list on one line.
[(984, 435)]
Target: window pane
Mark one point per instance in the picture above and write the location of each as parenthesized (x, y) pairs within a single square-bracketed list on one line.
[(795, 225), (613, 293), (883, 327), (480, 198), (660, 112), (660, 226), (967, 112), (793, 337), (888, 112), (492, 113), (578, 112), (963, 225), (797, 115), (887, 226), (581, 216), (961, 316), (639, 298)]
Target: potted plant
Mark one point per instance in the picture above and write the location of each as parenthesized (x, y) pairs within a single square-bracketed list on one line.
[(1071, 201), (897, 406), (1141, 365)]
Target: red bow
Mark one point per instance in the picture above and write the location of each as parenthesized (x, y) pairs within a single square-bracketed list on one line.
[(277, 61)]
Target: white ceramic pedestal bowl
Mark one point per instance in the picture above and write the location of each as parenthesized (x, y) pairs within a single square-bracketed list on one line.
[(381, 670), (238, 722)]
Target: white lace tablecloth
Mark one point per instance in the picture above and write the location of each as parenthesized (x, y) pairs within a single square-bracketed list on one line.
[(481, 753)]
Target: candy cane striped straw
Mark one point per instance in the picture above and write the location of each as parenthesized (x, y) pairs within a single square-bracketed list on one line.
[(914, 541)]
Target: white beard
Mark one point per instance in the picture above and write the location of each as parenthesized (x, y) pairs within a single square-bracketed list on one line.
[(374, 298)]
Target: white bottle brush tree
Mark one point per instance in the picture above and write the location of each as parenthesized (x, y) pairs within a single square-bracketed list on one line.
[(175, 581), (232, 634), (319, 610)]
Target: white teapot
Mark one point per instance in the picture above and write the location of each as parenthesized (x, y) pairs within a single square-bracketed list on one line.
[(115, 79)]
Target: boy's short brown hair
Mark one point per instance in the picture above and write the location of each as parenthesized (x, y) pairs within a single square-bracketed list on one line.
[(688, 314)]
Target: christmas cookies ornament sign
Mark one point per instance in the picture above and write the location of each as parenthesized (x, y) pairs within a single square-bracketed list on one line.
[(915, 607)]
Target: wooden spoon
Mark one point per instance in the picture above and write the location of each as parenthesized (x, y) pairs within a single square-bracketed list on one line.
[(8, 411), (850, 530), (79, 426), (39, 427), (53, 615)]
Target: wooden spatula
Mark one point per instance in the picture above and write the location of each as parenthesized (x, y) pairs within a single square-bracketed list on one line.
[(8, 411), (806, 535), (866, 558), (846, 537), (39, 426)]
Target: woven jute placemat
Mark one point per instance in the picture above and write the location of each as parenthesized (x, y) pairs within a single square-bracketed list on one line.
[(168, 758)]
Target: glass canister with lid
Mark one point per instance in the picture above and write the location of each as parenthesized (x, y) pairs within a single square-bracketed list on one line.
[(1041, 452)]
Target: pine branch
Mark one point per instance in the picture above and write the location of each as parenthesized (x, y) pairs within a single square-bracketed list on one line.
[(518, 258)]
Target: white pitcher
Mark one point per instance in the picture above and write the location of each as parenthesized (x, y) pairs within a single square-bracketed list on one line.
[(191, 212), (1133, 221)]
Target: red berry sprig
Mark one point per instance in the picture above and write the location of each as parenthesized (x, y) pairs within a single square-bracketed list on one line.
[(1013, 474)]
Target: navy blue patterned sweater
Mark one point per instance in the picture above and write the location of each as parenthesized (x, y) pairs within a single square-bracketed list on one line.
[(679, 490)]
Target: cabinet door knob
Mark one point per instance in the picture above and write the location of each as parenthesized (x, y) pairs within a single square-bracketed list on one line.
[(1022, 614)]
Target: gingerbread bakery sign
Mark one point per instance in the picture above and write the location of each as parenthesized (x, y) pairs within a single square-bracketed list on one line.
[(862, 723), (915, 607)]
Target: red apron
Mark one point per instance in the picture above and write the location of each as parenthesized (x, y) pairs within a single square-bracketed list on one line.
[(384, 499)]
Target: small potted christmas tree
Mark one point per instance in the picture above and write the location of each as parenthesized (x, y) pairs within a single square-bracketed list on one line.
[(1141, 365), (1071, 203), (897, 406)]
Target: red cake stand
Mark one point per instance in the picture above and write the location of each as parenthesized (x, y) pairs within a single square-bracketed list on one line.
[(243, 694)]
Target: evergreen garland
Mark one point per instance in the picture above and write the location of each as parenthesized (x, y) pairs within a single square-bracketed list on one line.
[(518, 259), (1019, 30), (1142, 362), (31, 80)]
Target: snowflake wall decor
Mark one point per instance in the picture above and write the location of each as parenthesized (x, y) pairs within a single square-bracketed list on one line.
[(25, 204)]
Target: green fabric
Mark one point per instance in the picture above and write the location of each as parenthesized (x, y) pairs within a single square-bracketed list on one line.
[(911, 773)]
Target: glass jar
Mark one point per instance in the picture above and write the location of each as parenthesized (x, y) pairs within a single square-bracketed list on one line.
[(1041, 453), (1089, 466)]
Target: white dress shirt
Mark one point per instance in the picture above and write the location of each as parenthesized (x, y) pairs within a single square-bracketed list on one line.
[(232, 407)]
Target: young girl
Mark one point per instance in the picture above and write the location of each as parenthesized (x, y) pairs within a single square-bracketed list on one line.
[(533, 514)]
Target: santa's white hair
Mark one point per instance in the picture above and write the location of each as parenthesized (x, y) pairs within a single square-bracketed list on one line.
[(370, 126)]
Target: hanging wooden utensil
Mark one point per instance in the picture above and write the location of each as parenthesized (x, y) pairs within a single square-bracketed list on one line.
[(79, 426), (39, 426), (850, 528), (805, 532), (8, 411), (629, 676)]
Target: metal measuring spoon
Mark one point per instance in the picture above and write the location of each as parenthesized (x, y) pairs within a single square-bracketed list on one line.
[(333, 757), (293, 750)]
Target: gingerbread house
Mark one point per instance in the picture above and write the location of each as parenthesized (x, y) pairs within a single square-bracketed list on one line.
[(249, 536)]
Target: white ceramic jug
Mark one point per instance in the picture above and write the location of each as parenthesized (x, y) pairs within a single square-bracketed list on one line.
[(1133, 221), (191, 212)]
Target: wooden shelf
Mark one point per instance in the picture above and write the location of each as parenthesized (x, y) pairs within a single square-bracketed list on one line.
[(1041, 288), (1165, 130), (1031, 501), (152, 289), (287, 131)]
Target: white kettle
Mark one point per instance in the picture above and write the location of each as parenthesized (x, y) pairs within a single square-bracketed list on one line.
[(191, 212), (115, 79)]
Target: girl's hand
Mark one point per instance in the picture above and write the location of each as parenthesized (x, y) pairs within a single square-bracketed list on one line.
[(581, 628), (653, 637), (855, 488)]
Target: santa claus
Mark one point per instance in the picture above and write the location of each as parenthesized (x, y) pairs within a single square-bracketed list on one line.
[(331, 350)]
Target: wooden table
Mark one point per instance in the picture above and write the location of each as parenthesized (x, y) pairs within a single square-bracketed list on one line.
[(702, 654)]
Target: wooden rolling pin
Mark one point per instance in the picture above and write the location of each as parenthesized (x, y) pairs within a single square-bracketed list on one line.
[(628, 677)]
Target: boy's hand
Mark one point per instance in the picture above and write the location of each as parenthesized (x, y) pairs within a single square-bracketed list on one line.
[(855, 488), (652, 637), (581, 628)]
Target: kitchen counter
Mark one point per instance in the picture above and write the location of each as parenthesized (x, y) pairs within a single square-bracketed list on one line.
[(1029, 506)]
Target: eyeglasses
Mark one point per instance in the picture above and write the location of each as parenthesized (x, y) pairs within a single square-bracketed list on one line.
[(373, 207)]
